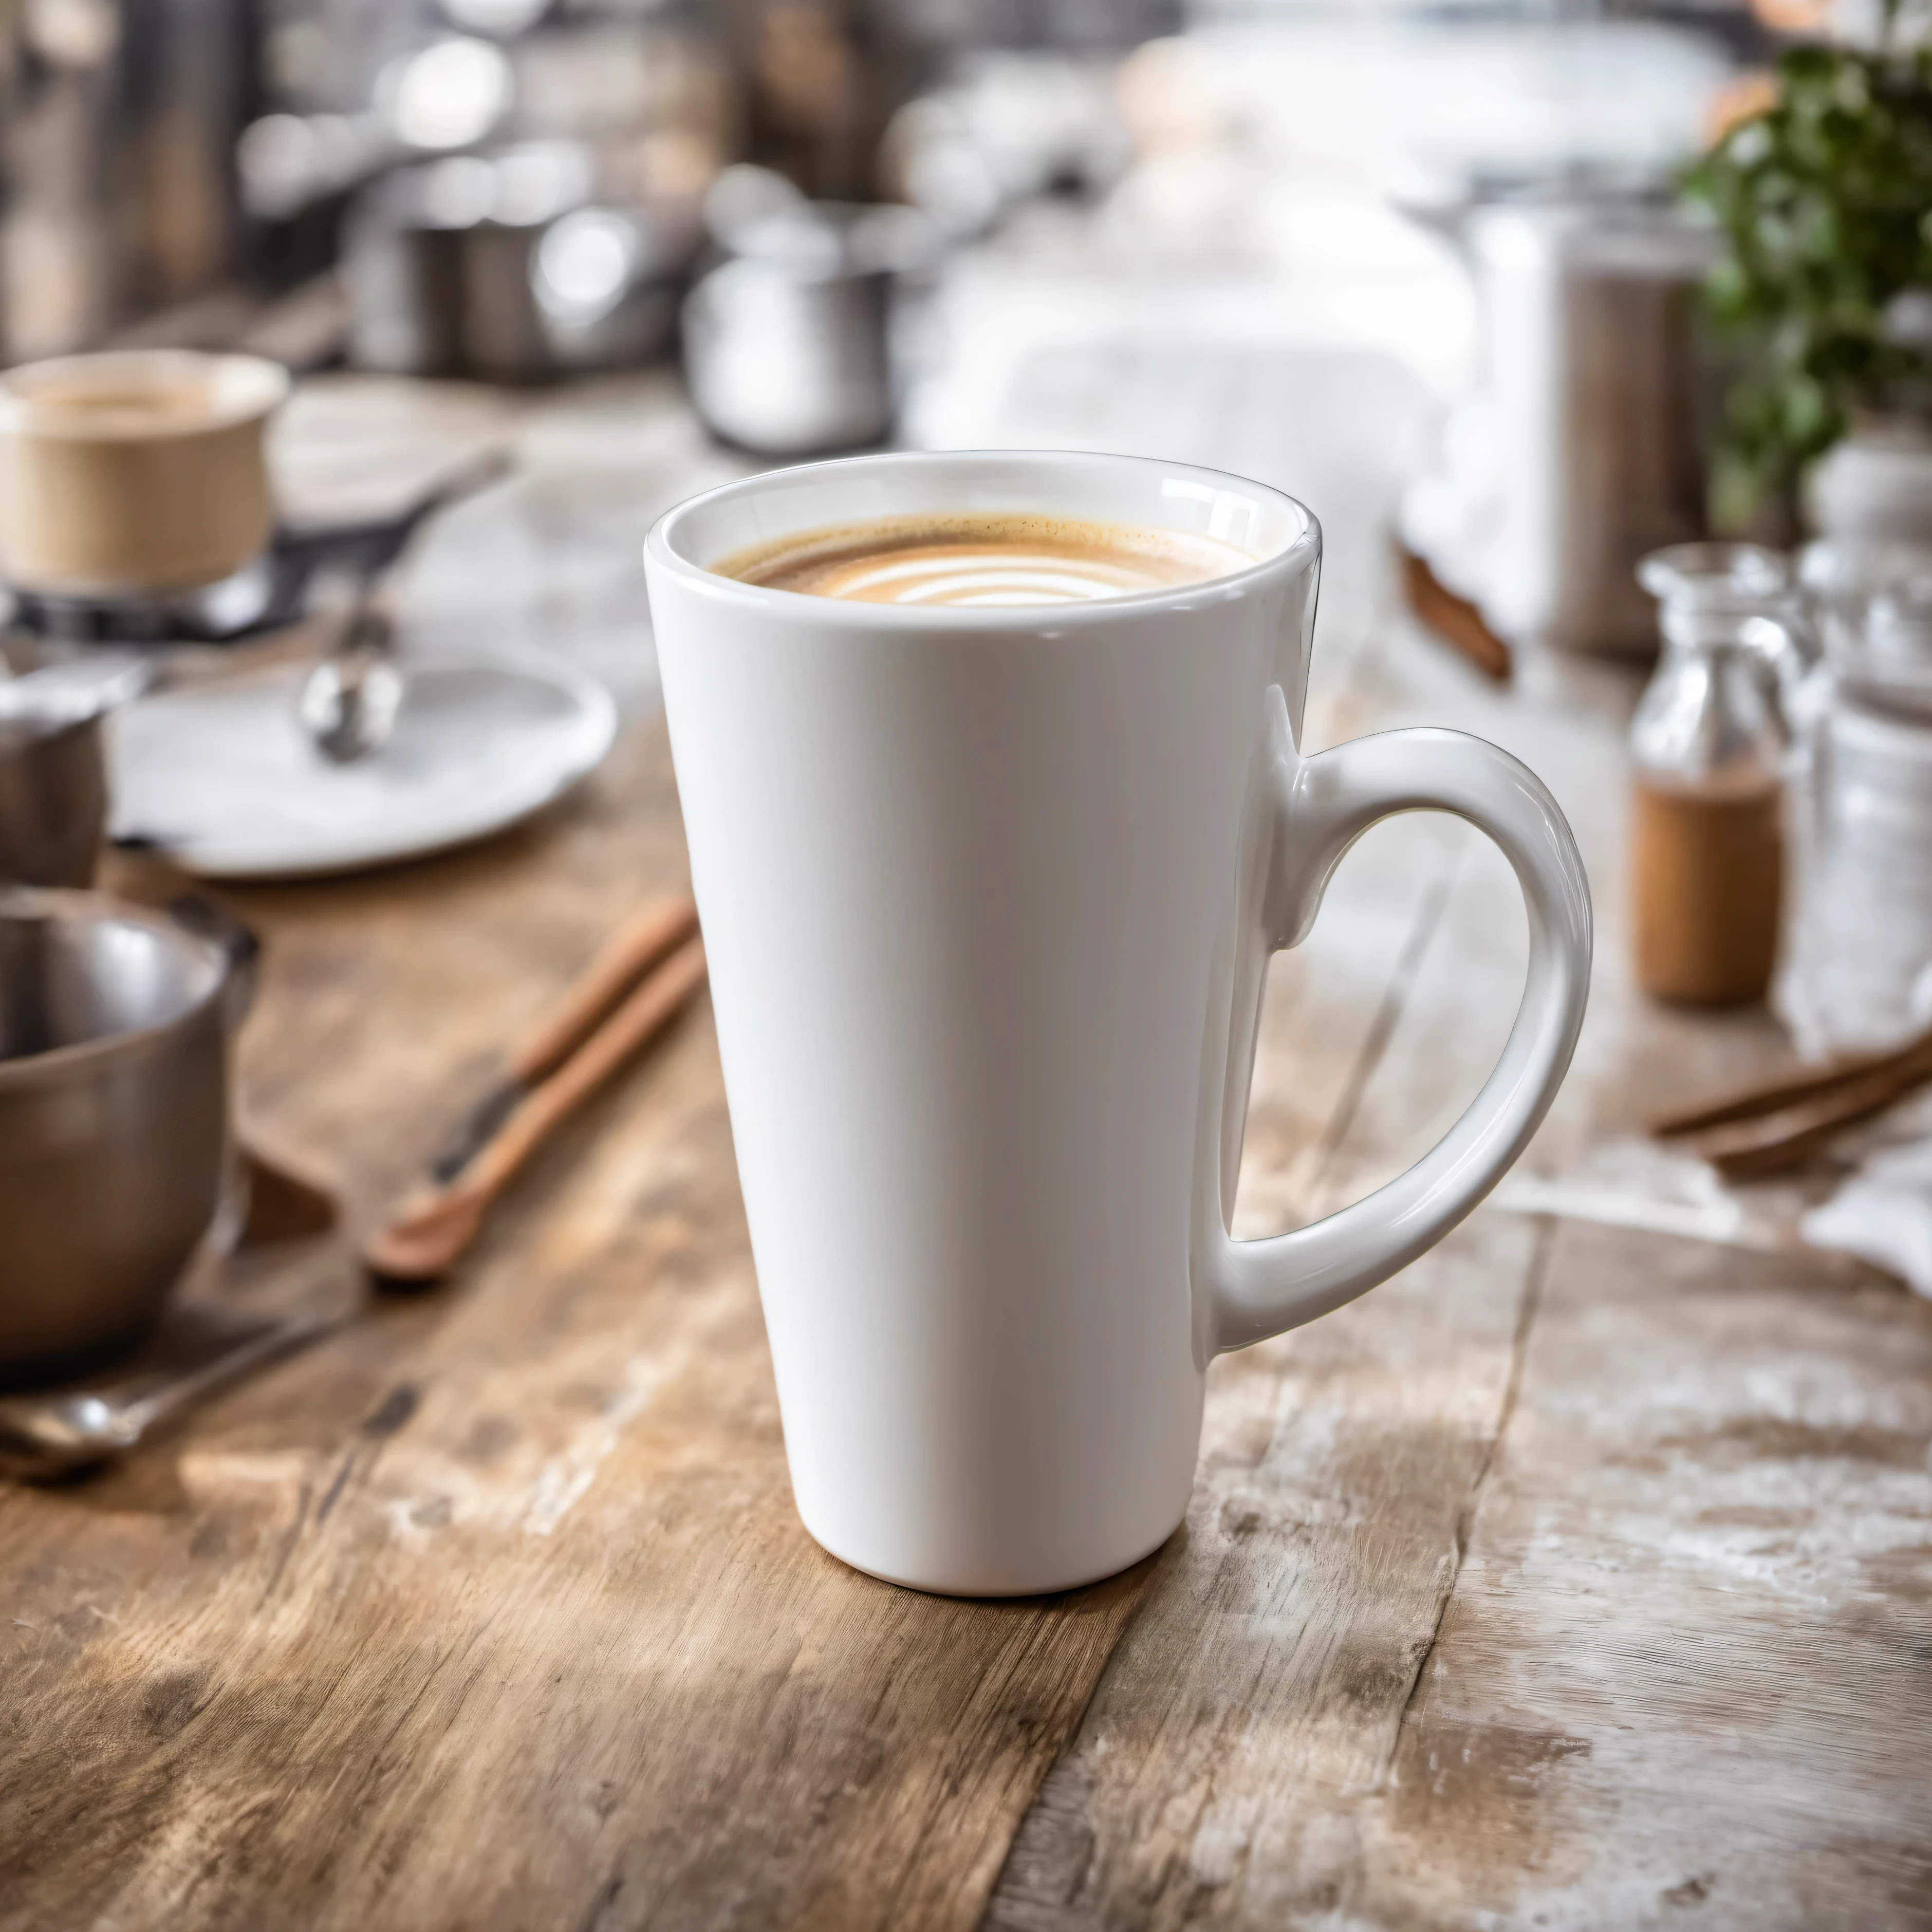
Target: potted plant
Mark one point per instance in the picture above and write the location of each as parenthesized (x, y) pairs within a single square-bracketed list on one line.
[(1823, 291)]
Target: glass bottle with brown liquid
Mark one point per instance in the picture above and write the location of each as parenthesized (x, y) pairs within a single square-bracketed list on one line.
[(1708, 752)]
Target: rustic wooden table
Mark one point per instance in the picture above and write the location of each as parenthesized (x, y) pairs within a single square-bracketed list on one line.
[(1580, 1577)]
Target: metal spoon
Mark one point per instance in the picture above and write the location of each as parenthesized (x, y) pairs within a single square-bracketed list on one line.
[(350, 701), (57, 1434)]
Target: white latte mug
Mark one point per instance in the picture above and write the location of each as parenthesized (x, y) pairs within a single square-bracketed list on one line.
[(988, 894)]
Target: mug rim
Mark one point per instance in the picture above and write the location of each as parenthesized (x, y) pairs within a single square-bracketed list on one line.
[(255, 387), (25, 1070), (662, 547)]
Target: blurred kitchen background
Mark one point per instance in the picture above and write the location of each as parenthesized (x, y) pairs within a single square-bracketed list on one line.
[(1514, 295), (1432, 268), (1423, 264)]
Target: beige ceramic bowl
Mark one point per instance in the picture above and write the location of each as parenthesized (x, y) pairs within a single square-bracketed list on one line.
[(135, 471)]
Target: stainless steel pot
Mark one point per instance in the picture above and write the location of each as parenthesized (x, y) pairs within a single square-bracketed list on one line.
[(509, 268), (789, 361), (1588, 316), (787, 345), (1580, 449), (113, 1121)]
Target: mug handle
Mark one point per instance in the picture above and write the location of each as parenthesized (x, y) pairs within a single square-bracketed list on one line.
[(1321, 806)]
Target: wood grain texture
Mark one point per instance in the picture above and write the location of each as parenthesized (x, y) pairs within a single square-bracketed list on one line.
[(1576, 1578), (495, 1612), (1685, 1676), (1264, 1682)]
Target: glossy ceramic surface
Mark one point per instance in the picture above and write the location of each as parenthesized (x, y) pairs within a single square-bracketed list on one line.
[(988, 894), (224, 778)]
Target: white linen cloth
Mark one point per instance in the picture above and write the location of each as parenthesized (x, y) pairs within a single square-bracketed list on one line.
[(1882, 1211)]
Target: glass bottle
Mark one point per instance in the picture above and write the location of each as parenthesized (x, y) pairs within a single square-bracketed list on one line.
[(1857, 977), (1708, 749)]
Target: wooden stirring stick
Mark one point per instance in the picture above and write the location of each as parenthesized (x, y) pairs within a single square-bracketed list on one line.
[(1769, 1129), (638, 944), (1773, 1096), (430, 1230), (1456, 621)]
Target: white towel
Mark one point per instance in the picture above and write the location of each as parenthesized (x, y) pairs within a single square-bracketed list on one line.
[(1882, 1211), (1882, 1214)]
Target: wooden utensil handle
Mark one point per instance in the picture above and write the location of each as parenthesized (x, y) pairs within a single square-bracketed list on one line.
[(1455, 619), (655, 999), (1770, 1143), (1775, 1097), (1757, 1160), (637, 945)]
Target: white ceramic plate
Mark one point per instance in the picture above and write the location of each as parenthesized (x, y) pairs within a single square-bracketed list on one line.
[(221, 777)]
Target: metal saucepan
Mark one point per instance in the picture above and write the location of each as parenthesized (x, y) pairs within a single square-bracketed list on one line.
[(113, 1121), (513, 267), (788, 343)]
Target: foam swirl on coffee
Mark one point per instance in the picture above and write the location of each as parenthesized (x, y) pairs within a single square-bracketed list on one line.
[(984, 561)]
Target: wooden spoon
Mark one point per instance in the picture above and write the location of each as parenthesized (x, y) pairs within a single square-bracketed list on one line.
[(1769, 1129), (652, 932), (430, 1231)]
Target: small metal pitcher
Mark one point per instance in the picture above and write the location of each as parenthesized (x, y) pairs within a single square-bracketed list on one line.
[(53, 775), (53, 800), (788, 344)]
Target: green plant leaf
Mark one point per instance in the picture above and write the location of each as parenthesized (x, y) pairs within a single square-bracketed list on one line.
[(1823, 205)]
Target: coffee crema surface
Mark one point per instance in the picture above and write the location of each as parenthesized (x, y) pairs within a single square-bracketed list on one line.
[(983, 560)]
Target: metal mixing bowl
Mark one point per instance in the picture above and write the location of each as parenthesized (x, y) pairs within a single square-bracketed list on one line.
[(113, 1121)]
